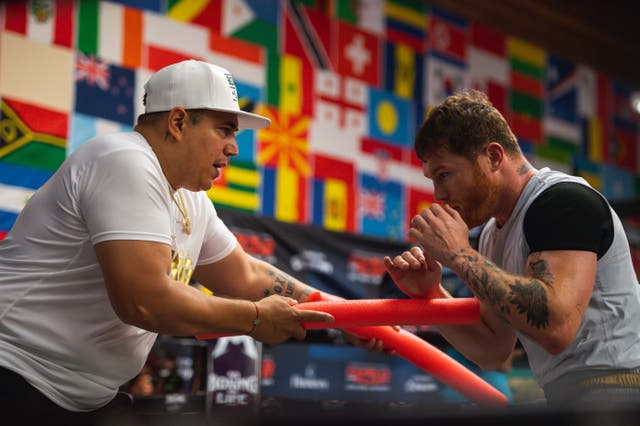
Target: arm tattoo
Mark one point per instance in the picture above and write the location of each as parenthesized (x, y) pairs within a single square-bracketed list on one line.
[(283, 284), (540, 269), (502, 291)]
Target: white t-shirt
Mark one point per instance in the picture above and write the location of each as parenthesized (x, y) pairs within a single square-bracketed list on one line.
[(57, 326)]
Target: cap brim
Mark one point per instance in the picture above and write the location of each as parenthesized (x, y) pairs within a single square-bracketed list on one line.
[(247, 120)]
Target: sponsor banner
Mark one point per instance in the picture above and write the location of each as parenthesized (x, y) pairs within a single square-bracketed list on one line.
[(330, 372), (345, 264)]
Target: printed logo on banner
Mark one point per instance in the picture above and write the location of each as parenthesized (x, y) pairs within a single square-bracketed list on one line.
[(309, 381), (268, 370), (311, 260), (257, 244), (365, 267), (420, 383), (233, 379), (367, 377)]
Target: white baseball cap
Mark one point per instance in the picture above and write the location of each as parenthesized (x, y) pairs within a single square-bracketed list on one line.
[(195, 84)]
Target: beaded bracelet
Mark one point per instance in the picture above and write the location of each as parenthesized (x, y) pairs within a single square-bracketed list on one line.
[(255, 321)]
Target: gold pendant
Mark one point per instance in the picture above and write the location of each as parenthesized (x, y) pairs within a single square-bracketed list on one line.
[(186, 227)]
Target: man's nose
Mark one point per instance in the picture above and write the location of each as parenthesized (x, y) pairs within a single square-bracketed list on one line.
[(231, 149), (439, 194)]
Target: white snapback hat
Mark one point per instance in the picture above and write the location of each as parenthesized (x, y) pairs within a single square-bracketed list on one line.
[(195, 84)]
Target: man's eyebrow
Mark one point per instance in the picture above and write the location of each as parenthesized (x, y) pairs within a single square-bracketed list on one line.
[(230, 123), (435, 170)]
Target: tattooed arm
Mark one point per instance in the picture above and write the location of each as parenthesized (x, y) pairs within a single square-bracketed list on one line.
[(241, 276), (547, 304)]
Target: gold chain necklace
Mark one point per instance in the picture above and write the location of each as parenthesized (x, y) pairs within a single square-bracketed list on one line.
[(186, 224)]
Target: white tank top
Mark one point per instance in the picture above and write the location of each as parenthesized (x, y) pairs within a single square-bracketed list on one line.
[(608, 337)]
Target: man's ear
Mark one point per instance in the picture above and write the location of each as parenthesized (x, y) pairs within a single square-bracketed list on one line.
[(176, 120), (495, 154)]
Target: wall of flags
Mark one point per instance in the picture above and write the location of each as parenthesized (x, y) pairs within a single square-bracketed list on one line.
[(345, 83)]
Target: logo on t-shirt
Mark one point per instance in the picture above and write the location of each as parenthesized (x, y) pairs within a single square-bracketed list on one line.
[(181, 266)]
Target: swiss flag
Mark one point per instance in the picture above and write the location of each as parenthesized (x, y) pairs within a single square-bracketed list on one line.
[(358, 54), (448, 39)]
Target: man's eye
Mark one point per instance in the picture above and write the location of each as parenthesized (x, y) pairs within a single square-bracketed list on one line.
[(227, 131)]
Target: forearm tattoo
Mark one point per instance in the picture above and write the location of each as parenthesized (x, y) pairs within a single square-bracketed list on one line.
[(505, 292), (283, 284)]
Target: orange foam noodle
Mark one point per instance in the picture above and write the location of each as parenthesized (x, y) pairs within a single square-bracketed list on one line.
[(427, 357), (350, 313), (367, 312)]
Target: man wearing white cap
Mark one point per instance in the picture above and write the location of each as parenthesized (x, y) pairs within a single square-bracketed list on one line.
[(99, 259)]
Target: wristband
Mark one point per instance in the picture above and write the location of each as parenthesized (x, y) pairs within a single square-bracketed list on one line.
[(255, 321)]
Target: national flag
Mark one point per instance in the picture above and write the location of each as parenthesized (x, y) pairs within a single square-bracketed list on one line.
[(157, 6), (348, 93), (624, 145), (246, 61), (336, 132), (110, 31), (381, 208), (404, 71), (339, 118), (284, 152), (358, 54), (44, 21), (390, 118), (308, 35), (333, 194), (33, 139), (618, 184), (561, 122), (296, 86), (562, 88), (448, 36), (604, 111), (17, 185), (418, 200), (443, 79), (379, 158), (587, 91), (85, 127), (590, 171), (592, 140), (407, 23), (23, 63), (249, 99), (258, 27), (366, 14), (207, 13), (554, 157), (238, 187), (488, 65), (104, 90), (389, 161), (622, 109), (284, 193), (166, 41), (526, 102), (625, 123), (235, 14)]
